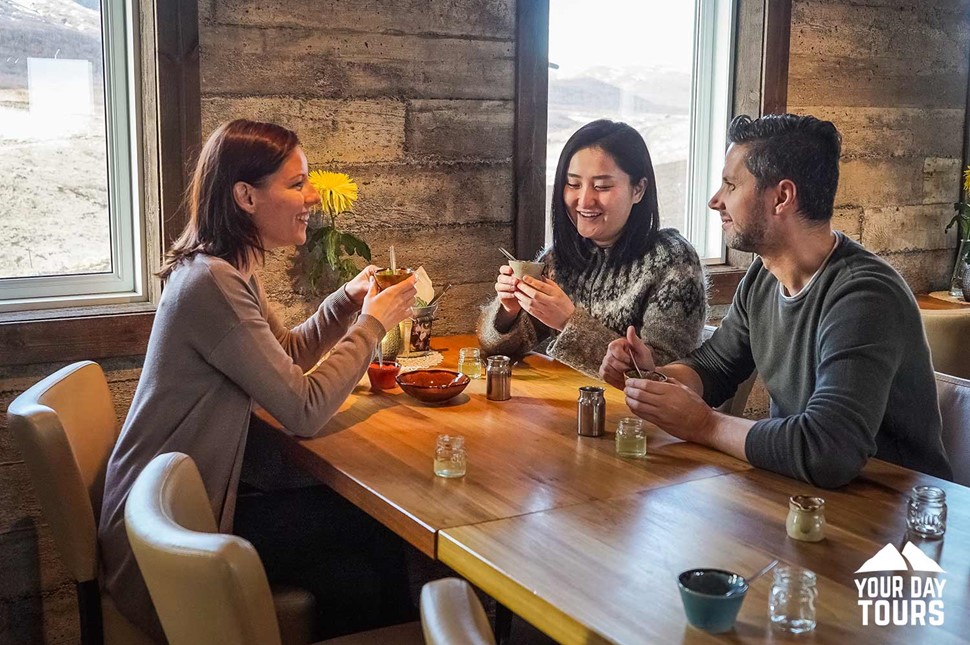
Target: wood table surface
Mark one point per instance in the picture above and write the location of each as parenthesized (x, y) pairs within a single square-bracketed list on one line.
[(606, 571), (927, 302), (523, 455)]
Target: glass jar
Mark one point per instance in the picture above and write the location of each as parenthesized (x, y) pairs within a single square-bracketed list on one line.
[(631, 438), (806, 518), (498, 378), (449, 456), (927, 511), (470, 362), (791, 605)]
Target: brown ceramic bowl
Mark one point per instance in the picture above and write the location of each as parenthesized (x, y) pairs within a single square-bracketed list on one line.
[(387, 278), (433, 386), (650, 376), (382, 375)]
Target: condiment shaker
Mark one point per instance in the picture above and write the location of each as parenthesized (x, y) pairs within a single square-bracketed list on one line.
[(498, 378), (591, 411)]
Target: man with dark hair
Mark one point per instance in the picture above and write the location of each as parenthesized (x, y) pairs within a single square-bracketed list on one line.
[(833, 330)]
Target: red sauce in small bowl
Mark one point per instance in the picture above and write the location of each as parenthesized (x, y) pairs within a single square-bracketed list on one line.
[(382, 375)]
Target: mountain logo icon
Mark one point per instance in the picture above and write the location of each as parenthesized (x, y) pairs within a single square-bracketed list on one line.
[(890, 559)]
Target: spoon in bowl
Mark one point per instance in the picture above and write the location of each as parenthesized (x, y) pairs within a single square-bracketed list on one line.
[(507, 254), (637, 367), (771, 565), (440, 293)]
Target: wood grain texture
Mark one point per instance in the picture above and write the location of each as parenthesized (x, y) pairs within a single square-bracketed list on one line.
[(524, 454), (606, 571)]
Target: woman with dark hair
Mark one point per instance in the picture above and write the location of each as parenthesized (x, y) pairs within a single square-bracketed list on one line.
[(610, 271), (217, 347)]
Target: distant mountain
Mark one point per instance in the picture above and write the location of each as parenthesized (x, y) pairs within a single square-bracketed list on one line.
[(641, 89), (45, 29)]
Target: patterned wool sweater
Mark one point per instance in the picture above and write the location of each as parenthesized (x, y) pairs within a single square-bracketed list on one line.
[(662, 295)]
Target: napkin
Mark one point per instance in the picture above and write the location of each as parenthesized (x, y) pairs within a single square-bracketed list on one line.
[(423, 284)]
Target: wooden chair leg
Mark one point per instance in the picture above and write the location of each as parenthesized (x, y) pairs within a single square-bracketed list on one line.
[(503, 624), (89, 608)]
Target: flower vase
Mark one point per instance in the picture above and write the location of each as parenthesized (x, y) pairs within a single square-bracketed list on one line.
[(957, 281)]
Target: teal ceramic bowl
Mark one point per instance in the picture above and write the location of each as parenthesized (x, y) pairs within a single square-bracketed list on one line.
[(712, 598)]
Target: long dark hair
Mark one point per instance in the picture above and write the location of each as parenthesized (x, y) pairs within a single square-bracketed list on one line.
[(237, 151), (628, 150)]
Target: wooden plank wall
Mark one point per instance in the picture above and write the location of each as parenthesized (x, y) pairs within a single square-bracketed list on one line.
[(414, 98)]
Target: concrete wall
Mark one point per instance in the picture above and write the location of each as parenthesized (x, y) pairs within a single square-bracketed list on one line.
[(413, 98)]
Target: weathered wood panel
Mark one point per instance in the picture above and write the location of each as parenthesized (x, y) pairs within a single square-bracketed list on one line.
[(311, 63), (471, 18), (905, 228), (331, 131), (460, 129)]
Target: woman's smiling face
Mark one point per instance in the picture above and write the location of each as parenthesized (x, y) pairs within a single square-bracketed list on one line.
[(599, 196), (282, 203)]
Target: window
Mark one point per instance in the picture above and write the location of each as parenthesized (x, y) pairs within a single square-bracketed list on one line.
[(664, 68), (69, 226)]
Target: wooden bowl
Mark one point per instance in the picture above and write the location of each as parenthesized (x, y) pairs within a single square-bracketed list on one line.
[(433, 386)]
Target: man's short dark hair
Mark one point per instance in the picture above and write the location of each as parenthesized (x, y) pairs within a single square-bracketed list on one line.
[(802, 149)]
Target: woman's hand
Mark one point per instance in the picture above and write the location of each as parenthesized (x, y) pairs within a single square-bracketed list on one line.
[(391, 305), (505, 288), (617, 360), (359, 285), (545, 300)]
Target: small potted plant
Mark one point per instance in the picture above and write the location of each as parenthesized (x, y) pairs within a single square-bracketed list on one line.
[(329, 252), (960, 279)]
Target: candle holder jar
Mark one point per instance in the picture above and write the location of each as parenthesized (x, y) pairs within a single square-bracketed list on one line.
[(591, 411), (927, 511), (498, 378), (631, 438), (470, 362), (791, 605), (449, 456), (806, 518)]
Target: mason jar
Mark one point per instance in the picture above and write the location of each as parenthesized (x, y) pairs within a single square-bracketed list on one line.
[(631, 438), (449, 456), (470, 362), (927, 511), (791, 605)]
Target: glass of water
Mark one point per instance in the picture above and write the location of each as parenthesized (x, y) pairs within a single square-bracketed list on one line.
[(449, 456)]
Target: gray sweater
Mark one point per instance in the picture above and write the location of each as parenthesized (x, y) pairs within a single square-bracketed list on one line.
[(216, 347), (662, 295), (846, 364)]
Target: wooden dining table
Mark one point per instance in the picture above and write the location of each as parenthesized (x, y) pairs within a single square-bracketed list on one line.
[(587, 545)]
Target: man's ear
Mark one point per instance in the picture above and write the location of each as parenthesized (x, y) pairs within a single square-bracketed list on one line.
[(639, 190), (244, 195), (786, 197)]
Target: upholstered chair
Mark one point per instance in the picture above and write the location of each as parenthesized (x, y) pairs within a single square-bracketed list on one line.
[(735, 405), (451, 614), (948, 335), (207, 587), (954, 396), (65, 427)]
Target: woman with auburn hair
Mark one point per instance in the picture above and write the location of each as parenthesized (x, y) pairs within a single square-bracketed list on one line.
[(217, 347), (611, 271)]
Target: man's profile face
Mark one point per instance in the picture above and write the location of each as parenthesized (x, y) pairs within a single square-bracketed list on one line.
[(741, 205)]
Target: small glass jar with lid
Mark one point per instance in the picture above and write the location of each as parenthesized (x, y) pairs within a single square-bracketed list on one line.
[(449, 456), (927, 511), (470, 362), (791, 605), (806, 518), (631, 438)]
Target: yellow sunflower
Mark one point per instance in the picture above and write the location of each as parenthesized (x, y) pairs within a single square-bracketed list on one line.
[(338, 192), (966, 179)]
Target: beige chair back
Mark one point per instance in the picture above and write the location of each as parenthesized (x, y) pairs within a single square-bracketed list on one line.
[(736, 404), (65, 427), (451, 614), (947, 331), (207, 587), (954, 396)]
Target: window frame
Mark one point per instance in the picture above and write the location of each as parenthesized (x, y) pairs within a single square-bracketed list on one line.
[(760, 84), (167, 136)]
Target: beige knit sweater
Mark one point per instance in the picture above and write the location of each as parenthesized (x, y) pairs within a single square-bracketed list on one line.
[(215, 347)]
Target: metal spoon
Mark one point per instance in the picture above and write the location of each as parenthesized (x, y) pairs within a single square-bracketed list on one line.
[(440, 293), (771, 565), (637, 367), (507, 254)]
